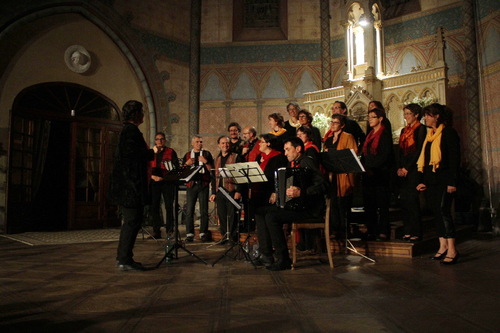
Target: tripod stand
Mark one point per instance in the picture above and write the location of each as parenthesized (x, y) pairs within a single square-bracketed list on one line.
[(178, 176), (238, 244)]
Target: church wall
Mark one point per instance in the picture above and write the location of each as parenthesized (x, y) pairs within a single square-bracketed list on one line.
[(42, 60)]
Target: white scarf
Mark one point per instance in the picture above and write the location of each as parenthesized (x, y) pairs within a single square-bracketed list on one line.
[(199, 162)]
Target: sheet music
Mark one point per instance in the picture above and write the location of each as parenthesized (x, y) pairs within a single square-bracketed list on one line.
[(246, 172), (193, 173), (357, 160)]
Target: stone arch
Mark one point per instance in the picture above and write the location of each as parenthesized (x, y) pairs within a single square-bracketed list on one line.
[(408, 60), (212, 88), (490, 39), (393, 109), (124, 38), (274, 86), (408, 97), (302, 86), (244, 87)]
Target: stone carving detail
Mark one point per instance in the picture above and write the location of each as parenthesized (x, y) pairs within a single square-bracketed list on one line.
[(77, 58)]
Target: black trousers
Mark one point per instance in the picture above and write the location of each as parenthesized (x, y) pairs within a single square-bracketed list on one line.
[(227, 215), (197, 192), (410, 204), (376, 201), (270, 221), (132, 222), (167, 190), (440, 202), (340, 208)]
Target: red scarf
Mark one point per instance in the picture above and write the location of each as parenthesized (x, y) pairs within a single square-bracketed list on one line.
[(310, 144), (374, 140), (265, 158), (407, 139)]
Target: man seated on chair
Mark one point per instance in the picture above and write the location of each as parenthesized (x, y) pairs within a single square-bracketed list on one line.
[(270, 219)]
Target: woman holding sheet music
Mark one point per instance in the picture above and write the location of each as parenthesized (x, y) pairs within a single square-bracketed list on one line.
[(342, 189)]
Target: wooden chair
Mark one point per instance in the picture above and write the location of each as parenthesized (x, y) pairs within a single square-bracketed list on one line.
[(322, 224)]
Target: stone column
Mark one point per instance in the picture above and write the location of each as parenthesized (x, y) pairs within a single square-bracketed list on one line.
[(326, 62), (194, 69), (473, 148), (259, 103)]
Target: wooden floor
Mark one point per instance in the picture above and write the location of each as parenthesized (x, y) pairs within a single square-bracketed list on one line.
[(77, 288)]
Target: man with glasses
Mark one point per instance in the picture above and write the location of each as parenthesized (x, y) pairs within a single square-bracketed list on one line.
[(235, 142), (250, 149), (164, 161)]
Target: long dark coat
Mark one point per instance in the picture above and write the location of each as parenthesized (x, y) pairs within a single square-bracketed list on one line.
[(129, 178)]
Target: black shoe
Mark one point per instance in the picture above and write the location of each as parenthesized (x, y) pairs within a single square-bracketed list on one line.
[(134, 266), (135, 262), (155, 236), (189, 239), (439, 256), (452, 261), (280, 265), (264, 261)]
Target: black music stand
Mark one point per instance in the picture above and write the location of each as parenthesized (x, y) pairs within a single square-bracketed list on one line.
[(242, 173), (183, 175), (344, 161)]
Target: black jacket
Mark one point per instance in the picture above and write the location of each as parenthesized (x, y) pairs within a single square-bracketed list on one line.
[(129, 178), (447, 173)]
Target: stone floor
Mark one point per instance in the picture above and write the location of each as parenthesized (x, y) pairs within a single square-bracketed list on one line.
[(77, 288)]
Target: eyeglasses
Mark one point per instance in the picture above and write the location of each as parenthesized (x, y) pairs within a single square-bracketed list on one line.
[(302, 116), (334, 122)]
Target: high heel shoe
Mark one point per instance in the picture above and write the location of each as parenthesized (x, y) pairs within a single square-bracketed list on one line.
[(439, 256), (406, 237), (452, 261)]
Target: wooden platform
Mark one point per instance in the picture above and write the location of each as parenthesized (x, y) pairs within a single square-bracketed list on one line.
[(392, 248)]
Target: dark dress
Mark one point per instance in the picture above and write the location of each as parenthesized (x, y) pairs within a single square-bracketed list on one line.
[(409, 196), (376, 195)]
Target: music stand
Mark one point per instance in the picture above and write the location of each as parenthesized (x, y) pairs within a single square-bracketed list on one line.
[(344, 161), (183, 175), (242, 173)]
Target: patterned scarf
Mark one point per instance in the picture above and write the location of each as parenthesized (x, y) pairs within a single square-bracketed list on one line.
[(434, 137), (407, 139)]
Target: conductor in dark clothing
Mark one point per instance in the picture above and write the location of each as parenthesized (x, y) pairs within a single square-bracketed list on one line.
[(129, 182)]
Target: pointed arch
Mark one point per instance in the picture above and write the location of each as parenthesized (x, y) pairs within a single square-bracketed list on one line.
[(212, 88), (244, 88), (307, 82), (408, 60), (274, 87)]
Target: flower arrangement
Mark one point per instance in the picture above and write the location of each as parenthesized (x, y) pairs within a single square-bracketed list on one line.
[(424, 101), (321, 121)]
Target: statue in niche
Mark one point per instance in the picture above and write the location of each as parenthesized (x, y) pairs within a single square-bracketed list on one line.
[(77, 59)]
